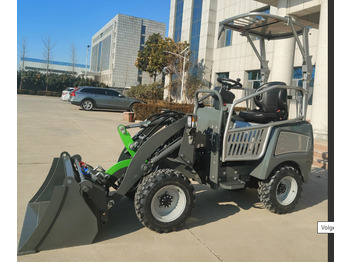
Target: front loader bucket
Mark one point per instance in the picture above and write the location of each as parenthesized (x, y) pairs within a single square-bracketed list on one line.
[(58, 215)]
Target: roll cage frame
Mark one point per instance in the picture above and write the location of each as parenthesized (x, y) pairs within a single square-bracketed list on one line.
[(273, 27)]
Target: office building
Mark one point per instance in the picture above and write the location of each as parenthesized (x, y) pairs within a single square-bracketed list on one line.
[(40, 65), (115, 47)]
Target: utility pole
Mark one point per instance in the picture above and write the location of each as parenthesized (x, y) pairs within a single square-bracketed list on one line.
[(87, 54)]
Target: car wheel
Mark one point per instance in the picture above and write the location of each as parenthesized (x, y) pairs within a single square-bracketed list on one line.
[(131, 108), (87, 105)]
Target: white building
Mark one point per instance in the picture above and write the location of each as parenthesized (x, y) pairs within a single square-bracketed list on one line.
[(115, 47), (57, 67), (197, 22)]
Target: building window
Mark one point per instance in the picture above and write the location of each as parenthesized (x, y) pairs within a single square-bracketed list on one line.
[(297, 81), (225, 39), (196, 30), (228, 37), (142, 46), (254, 79), (142, 40), (178, 20), (139, 79), (143, 29), (99, 56)]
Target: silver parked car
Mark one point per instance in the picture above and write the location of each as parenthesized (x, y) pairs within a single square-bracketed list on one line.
[(90, 97), (65, 93)]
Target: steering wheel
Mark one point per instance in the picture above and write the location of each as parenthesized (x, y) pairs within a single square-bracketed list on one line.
[(230, 83)]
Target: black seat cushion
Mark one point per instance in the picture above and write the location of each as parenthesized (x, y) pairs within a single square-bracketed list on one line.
[(272, 105)]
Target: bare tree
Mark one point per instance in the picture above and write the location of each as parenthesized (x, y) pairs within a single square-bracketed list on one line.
[(73, 58), (23, 55), (47, 55)]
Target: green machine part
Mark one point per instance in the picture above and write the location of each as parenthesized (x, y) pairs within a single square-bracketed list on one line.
[(128, 142)]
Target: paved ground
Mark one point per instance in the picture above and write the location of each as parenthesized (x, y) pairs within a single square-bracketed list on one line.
[(224, 226)]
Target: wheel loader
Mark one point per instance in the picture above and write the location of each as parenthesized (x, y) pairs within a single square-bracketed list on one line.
[(263, 146)]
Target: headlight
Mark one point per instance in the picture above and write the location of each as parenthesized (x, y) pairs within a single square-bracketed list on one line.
[(191, 121)]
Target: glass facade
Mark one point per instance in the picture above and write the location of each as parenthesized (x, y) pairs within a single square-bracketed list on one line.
[(178, 20), (196, 30), (143, 29), (142, 46), (99, 56)]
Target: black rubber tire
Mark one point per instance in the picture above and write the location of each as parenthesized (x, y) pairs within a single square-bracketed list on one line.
[(131, 108), (87, 104), (273, 194), (147, 199)]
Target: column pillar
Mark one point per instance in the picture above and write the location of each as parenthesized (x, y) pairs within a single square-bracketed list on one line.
[(283, 53), (319, 118)]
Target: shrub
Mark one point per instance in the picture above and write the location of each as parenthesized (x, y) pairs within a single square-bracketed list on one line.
[(39, 93), (22, 91), (152, 91)]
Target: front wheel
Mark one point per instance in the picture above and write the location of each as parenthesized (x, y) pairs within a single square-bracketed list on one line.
[(164, 200), (87, 105), (281, 193)]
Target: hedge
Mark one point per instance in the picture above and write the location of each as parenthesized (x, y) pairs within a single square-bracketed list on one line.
[(40, 92)]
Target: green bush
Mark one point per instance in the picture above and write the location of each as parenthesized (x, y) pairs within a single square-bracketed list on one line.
[(48, 93), (32, 80), (23, 91), (152, 91)]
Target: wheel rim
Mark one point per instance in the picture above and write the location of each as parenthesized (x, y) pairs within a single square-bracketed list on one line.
[(168, 203), (287, 190), (87, 105)]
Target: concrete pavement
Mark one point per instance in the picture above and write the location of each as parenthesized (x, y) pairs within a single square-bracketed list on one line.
[(224, 225)]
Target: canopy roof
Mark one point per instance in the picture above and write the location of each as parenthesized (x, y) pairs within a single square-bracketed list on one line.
[(263, 25)]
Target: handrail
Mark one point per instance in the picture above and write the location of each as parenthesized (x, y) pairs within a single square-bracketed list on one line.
[(211, 92)]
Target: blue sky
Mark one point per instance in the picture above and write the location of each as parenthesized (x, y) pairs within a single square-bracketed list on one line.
[(75, 21)]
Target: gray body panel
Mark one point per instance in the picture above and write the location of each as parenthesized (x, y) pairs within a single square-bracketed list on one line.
[(279, 151)]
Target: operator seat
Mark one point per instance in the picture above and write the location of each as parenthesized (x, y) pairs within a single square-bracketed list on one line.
[(272, 105)]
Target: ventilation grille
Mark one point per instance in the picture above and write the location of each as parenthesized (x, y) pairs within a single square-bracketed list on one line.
[(246, 144)]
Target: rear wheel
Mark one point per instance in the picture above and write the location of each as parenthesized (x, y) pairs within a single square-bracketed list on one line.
[(131, 108), (87, 105), (281, 193), (164, 200)]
